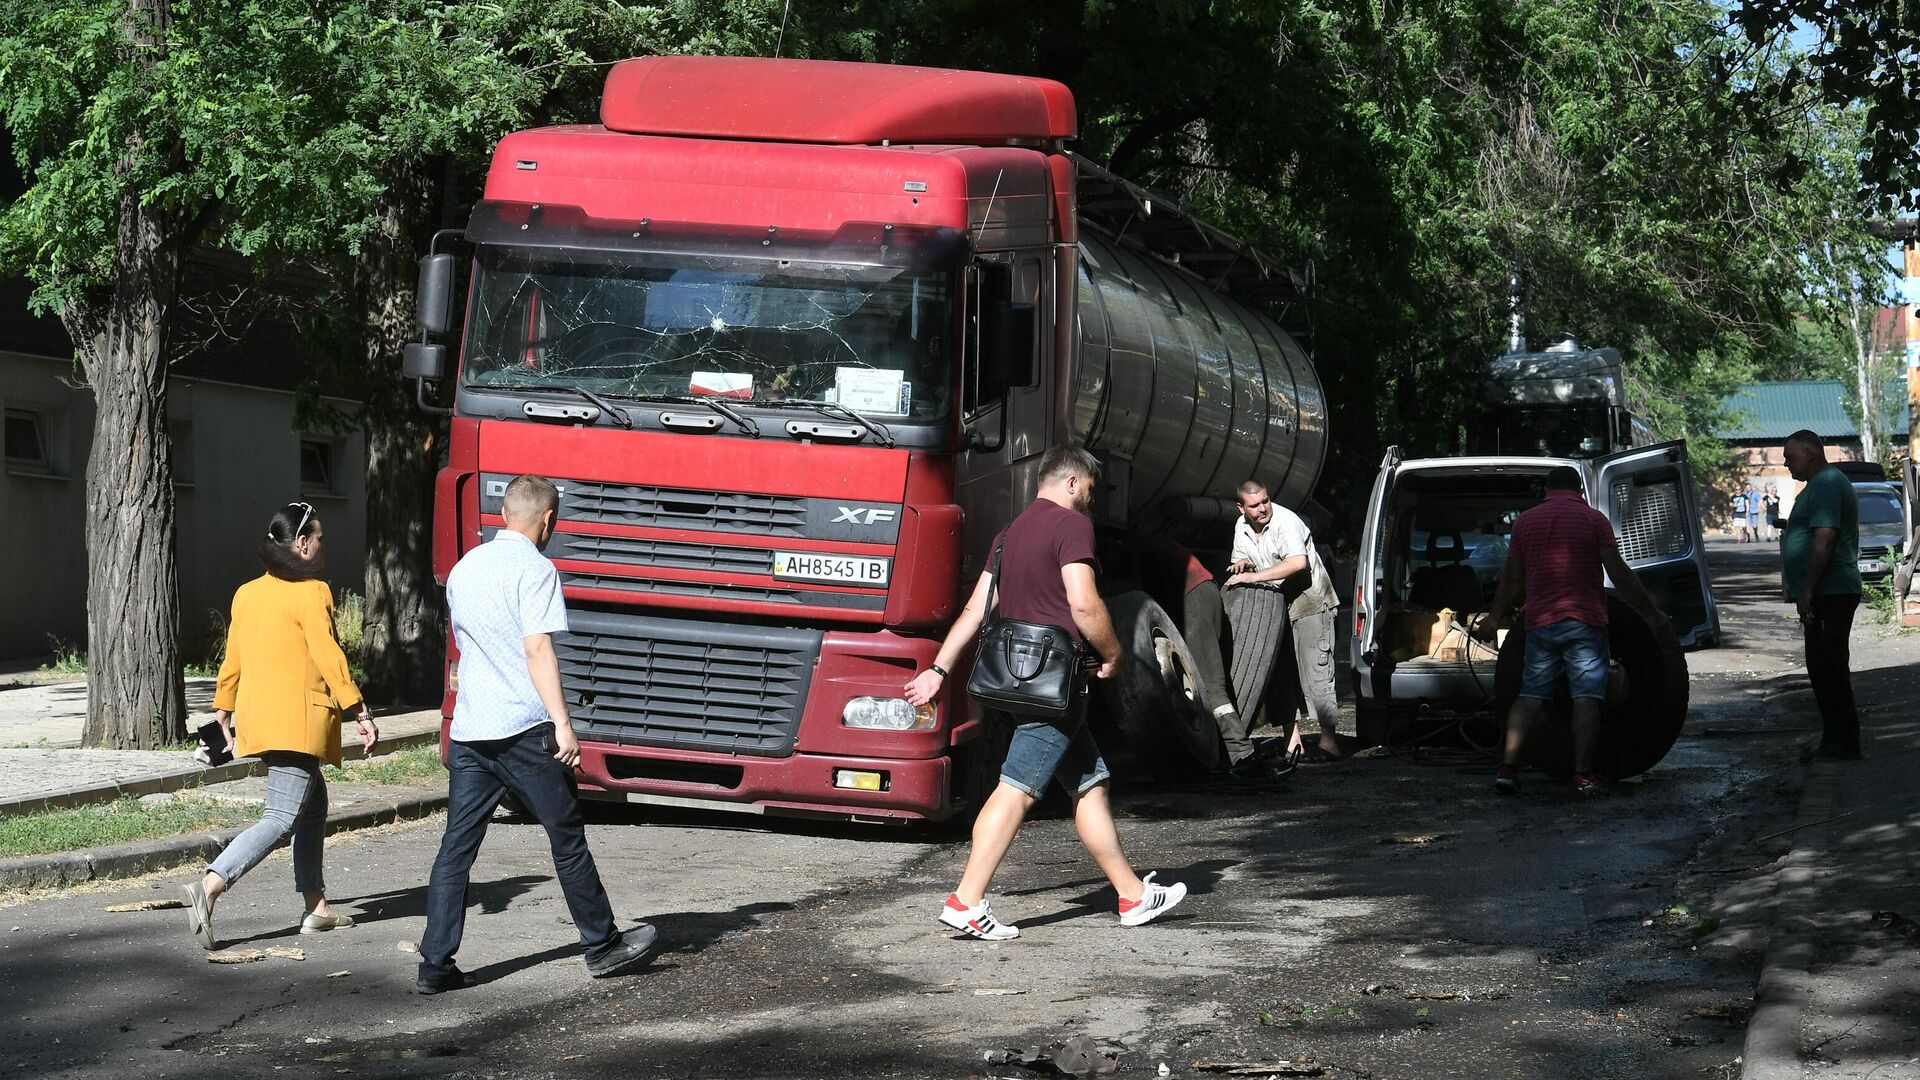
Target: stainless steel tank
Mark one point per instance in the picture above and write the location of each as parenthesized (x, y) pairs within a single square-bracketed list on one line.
[(1195, 391)]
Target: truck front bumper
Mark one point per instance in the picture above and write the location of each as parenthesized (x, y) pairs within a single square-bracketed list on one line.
[(799, 785)]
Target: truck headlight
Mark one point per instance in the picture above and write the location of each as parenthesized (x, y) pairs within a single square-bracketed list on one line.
[(887, 714)]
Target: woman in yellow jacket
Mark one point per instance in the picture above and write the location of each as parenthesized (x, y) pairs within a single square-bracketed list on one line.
[(282, 690)]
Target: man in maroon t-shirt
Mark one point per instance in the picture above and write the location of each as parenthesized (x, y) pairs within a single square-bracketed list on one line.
[(1046, 573), (1555, 556)]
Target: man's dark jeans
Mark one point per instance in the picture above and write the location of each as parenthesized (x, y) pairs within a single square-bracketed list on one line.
[(479, 773), (1829, 672)]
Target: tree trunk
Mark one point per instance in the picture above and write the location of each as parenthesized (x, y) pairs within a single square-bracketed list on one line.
[(135, 699), (1866, 368), (405, 643)]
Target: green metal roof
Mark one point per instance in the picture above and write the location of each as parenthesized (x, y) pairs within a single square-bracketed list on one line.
[(1775, 410)]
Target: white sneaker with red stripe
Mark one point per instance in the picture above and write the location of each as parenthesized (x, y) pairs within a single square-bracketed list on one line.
[(976, 921), (1155, 902)]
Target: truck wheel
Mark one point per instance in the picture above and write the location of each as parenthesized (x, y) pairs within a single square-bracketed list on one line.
[(1646, 704), (1156, 703)]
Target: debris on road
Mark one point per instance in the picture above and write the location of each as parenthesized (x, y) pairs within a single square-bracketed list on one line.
[(1414, 838), (338, 974), (1894, 922), (996, 991), (235, 956), (1732, 1012), (285, 953), (144, 905), (1456, 995), (1078, 1056), (408, 946)]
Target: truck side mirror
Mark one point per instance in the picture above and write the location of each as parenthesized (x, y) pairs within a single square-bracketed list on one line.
[(1625, 426), (434, 294), (423, 360)]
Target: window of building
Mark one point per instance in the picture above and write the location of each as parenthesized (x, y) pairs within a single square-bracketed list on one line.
[(26, 439), (319, 466)]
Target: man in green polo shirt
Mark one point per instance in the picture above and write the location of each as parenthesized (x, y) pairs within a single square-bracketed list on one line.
[(1820, 563)]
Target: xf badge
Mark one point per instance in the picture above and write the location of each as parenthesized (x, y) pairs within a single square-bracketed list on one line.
[(865, 515)]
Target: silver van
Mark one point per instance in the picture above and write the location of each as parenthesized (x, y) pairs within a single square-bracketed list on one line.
[(1435, 540)]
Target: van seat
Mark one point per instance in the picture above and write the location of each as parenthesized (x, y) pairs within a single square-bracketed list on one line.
[(1454, 586)]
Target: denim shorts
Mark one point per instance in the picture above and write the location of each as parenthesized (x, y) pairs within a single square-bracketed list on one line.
[(1061, 750), (1570, 646)]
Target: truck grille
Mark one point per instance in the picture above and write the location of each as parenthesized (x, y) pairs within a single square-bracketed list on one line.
[(674, 508), (645, 587), (632, 551), (687, 685), (1652, 524)]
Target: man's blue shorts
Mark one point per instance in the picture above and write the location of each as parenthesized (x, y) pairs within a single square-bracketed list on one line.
[(1570, 646), (1061, 750)]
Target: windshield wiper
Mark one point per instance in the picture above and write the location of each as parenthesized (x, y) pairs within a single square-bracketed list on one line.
[(619, 415), (834, 408), (746, 422)]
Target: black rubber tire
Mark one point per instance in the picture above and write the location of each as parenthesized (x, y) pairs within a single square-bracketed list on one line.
[(1638, 729), (1161, 725), (1258, 618)]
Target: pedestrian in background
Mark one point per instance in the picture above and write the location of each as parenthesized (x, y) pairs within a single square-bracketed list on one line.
[(282, 692), (1820, 568), (1754, 508), (1274, 549), (511, 733), (1046, 569), (1740, 535), (1773, 512), (1556, 556)]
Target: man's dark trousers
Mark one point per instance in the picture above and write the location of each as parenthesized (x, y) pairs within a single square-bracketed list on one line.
[(1829, 671), (479, 773)]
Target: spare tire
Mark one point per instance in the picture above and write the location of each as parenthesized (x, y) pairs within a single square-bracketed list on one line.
[(1646, 705), (1258, 618), (1161, 724)]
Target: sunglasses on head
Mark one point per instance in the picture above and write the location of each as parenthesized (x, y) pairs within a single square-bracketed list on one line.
[(306, 515)]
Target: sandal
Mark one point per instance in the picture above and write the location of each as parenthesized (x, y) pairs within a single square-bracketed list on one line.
[(1317, 755), (199, 914)]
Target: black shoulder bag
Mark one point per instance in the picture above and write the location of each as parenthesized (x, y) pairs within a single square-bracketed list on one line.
[(1022, 667)]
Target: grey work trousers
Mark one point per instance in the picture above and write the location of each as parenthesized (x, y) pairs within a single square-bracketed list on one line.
[(1313, 659), (296, 806), (1200, 625)]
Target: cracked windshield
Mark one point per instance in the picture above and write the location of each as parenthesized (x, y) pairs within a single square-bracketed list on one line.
[(873, 339)]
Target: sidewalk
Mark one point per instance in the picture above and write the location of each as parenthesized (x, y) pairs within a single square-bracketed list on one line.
[(41, 767), (1839, 995)]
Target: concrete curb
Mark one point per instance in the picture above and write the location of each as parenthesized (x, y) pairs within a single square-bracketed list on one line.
[(186, 778), (131, 860), (1772, 1049)]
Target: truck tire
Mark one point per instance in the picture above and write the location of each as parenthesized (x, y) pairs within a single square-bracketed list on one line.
[(1155, 704), (1258, 618), (1639, 723)]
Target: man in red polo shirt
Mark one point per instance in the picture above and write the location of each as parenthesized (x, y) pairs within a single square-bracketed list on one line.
[(1554, 561)]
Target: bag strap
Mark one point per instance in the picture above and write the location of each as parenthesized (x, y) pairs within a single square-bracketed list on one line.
[(993, 588)]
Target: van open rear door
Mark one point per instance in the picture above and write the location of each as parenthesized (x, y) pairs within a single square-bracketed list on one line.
[(1648, 492)]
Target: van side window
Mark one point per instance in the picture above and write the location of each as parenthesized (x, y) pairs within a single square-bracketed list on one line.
[(1002, 331)]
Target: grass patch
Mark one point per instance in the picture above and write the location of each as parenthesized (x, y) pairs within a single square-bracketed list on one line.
[(116, 823), (411, 765), (68, 658)]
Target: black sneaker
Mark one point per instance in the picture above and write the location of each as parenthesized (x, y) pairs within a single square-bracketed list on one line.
[(1255, 770), (636, 947), (454, 979)]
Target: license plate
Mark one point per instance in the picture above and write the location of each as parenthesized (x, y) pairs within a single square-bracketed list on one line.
[(839, 569)]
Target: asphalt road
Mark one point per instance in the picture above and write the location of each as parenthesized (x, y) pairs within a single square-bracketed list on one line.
[(1542, 936)]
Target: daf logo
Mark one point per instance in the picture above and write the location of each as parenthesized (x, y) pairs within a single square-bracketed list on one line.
[(864, 515)]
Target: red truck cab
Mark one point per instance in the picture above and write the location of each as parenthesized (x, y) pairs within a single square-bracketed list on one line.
[(769, 326)]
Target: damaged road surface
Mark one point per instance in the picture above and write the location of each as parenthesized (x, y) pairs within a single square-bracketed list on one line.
[(1535, 936), (1385, 917)]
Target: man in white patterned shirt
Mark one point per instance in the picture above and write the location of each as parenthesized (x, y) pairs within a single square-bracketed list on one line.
[(511, 733)]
